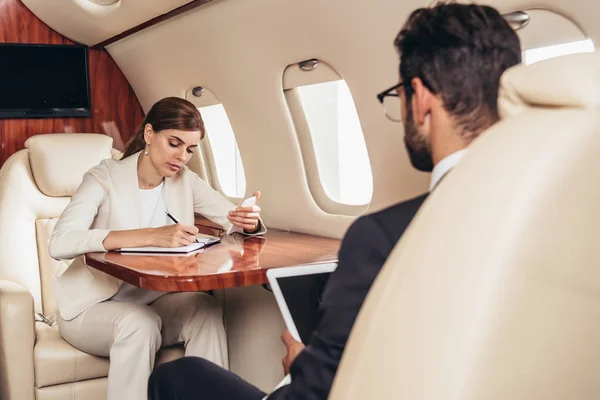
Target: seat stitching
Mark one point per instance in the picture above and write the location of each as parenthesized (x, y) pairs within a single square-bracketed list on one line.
[(74, 372), (75, 367)]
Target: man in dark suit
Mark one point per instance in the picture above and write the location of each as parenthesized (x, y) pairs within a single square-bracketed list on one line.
[(452, 57)]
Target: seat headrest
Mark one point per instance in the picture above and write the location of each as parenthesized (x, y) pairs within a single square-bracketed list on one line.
[(493, 291), (565, 82), (58, 161)]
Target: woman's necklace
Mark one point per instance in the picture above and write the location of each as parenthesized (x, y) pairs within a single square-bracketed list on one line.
[(158, 197)]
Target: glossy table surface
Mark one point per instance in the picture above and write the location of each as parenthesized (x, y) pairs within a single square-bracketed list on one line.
[(237, 261)]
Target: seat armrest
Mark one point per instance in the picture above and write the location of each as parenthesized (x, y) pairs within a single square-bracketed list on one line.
[(17, 338)]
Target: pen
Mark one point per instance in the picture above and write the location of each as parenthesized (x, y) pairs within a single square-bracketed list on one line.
[(175, 220)]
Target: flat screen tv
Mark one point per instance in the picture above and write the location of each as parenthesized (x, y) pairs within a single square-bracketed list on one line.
[(44, 81)]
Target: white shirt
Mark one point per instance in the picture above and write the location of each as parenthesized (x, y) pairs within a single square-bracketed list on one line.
[(152, 207), (444, 166), (152, 210)]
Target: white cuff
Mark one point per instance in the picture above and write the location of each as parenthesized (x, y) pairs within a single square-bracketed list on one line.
[(285, 381), (96, 239)]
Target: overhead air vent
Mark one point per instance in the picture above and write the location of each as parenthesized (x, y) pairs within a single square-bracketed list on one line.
[(198, 91), (104, 2), (309, 65), (517, 19)]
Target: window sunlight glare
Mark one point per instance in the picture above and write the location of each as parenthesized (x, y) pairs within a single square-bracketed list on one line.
[(230, 171), (544, 53), (339, 144)]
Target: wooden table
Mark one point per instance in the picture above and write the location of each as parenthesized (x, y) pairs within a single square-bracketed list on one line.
[(237, 261)]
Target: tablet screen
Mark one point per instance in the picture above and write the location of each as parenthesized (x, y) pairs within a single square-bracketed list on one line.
[(303, 294)]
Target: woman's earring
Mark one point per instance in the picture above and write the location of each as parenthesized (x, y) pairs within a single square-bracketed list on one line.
[(146, 152)]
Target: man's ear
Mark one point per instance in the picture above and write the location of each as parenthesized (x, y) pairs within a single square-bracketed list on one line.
[(422, 101)]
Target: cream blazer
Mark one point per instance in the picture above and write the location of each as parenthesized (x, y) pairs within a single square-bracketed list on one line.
[(108, 199)]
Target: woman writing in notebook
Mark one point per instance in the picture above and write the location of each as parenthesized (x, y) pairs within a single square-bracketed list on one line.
[(125, 204)]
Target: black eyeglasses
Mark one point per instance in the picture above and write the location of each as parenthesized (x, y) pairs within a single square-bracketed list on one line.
[(390, 100)]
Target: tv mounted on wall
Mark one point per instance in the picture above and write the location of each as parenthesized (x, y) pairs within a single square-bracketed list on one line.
[(44, 81)]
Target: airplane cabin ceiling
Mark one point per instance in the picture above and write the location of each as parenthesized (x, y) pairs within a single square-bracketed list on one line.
[(89, 23)]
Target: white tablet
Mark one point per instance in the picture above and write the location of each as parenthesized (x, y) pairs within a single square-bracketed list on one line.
[(298, 291)]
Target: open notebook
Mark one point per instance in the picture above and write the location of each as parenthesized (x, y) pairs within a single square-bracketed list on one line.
[(202, 243)]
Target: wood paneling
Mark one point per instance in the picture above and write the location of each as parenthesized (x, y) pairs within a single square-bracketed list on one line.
[(171, 14), (115, 108), (237, 261)]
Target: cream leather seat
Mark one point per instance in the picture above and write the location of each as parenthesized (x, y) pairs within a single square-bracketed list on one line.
[(35, 185), (494, 291)]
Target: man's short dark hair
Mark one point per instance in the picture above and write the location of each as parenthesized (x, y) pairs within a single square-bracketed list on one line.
[(459, 51)]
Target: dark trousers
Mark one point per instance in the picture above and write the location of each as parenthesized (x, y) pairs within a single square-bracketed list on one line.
[(198, 379)]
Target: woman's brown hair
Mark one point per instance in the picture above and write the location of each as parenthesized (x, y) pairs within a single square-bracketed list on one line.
[(168, 113)]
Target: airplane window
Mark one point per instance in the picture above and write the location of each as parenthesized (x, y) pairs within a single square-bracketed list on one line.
[(221, 140), (339, 145), (543, 53)]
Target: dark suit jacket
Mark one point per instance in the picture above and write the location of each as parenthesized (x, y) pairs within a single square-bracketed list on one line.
[(365, 248)]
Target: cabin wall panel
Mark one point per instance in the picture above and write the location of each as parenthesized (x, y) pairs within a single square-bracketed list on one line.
[(242, 61), (116, 110)]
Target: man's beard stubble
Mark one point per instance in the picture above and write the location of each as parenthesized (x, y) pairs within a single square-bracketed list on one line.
[(416, 145)]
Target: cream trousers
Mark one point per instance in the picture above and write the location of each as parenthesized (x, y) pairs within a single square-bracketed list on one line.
[(131, 334)]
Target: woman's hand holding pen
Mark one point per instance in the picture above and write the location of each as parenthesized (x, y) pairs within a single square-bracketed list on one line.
[(246, 217), (175, 235)]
